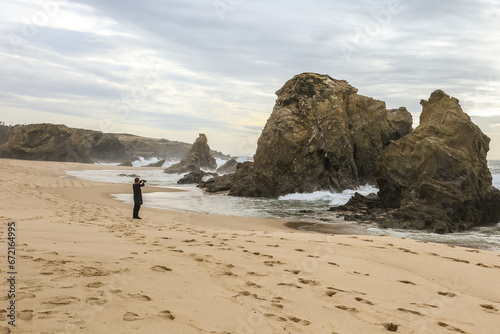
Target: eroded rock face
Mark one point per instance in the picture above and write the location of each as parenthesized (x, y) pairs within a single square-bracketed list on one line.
[(321, 135), (228, 167), (216, 184), (199, 157), (437, 176)]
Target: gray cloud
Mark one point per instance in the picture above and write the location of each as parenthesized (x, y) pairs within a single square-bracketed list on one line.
[(183, 65)]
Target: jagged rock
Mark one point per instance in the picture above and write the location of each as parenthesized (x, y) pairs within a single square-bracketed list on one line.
[(228, 167), (199, 157), (195, 177), (216, 184), (157, 164), (437, 176), (321, 135), (126, 164)]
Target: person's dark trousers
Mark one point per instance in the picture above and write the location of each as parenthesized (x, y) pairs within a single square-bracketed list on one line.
[(137, 207)]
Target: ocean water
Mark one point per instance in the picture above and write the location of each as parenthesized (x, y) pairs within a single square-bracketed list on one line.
[(311, 208)]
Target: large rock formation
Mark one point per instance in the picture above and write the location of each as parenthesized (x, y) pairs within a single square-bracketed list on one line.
[(199, 157), (437, 176), (60, 143), (321, 135)]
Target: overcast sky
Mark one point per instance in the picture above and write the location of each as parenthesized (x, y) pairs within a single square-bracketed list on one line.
[(172, 69)]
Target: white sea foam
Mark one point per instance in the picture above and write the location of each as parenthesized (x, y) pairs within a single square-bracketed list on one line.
[(334, 199), (147, 161)]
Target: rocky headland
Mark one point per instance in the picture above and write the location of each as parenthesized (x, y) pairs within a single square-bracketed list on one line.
[(57, 142)]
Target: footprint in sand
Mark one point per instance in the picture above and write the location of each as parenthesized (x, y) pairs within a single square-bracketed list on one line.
[(364, 301), (450, 328), (298, 320), (391, 327), (410, 311), (166, 315), (160, 268), (308, 281), (58, 301), (345, 308), (330, 293), (407, 282), (291, 284), (252, 284), (140, 297), (333, 264), (446, 294), (489, 308), (94, 285), (95, 301), (455, 259), (407, 251), (24, 295), (46, 314), (91, 272), (131, 316), (272, 263), (295, 272), (424, 305), (25, 315), (357, 273)]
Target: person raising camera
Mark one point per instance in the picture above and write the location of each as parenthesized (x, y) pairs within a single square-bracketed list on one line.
[(137, 196)]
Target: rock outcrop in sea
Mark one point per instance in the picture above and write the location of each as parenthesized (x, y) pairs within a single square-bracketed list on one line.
[(321, 135), (159, 163), (195, 177), (199, 157), (437, 176), (229, 167)]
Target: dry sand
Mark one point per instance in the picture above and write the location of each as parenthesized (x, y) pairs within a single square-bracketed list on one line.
[(83, 266)]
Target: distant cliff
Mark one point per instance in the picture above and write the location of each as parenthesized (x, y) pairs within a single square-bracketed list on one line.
[(57, 142)]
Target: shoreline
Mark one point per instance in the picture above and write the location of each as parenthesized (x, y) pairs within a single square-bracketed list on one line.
[(84, 266)]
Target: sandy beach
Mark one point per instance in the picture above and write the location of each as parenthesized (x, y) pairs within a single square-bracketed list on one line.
[(84, 266)]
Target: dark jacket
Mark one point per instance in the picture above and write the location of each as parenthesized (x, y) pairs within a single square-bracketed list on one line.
[(138, 192)]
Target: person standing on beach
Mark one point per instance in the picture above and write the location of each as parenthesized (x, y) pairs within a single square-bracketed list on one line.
[(137, 196)]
